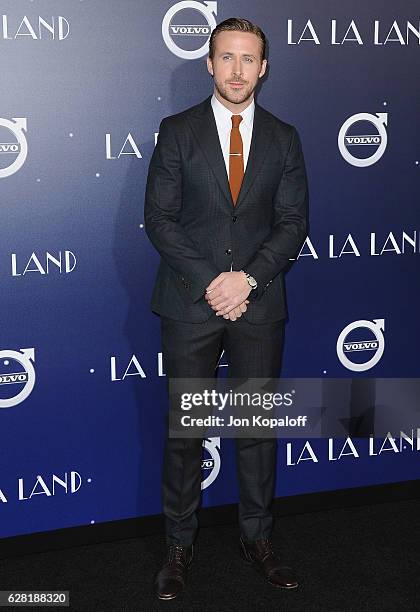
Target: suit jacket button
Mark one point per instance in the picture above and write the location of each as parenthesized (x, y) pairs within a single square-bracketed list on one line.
[(234, 217), (228, 251)]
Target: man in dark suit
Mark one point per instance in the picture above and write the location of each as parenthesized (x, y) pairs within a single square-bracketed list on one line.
[(226, 208)]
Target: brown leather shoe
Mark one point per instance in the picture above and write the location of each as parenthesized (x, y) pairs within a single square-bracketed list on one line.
[(261, 554), (170, 580)]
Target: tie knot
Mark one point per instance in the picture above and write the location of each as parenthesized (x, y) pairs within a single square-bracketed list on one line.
[(236, 119)]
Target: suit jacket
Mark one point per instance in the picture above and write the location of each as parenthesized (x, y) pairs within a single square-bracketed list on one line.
[(191, 220)]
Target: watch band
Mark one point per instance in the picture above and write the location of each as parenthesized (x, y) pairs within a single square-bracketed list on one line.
[(251, 280)]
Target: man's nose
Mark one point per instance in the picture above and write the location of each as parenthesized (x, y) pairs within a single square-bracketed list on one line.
[(237, 68)]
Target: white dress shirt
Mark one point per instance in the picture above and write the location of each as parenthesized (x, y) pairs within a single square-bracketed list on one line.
[(223, 119)]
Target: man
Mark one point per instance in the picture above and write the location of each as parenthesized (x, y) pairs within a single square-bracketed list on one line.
[(226, 208)]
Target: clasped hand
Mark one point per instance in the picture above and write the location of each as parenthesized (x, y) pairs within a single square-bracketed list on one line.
[(227, 294)]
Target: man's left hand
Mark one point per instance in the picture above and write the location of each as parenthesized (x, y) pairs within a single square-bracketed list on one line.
[(227, 291)]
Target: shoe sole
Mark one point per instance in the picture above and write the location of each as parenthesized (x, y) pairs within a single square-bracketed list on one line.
[(162, 598)]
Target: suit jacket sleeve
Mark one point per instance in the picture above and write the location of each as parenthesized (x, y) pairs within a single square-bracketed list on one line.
[(290, 221), (162, 209)]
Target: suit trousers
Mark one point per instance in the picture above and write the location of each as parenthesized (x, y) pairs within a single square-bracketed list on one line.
[(193, 350)]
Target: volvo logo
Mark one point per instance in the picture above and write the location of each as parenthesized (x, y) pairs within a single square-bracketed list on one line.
[(187, 34), (212, 464), (350, 344), (371, 146), (17, 376), (13, 148)]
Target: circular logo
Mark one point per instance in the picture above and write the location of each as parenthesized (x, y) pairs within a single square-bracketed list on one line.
[(370, 147), (188, 34), (212, 463), (13, 146), (353, 345), (16, 383)]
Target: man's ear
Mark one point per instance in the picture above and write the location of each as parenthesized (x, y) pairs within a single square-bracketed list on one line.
[(210, 66), (263, 68)]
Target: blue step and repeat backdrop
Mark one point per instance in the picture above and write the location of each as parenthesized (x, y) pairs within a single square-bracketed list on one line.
[(85, 85)]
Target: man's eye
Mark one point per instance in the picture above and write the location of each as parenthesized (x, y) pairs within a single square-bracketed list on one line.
[(226, 57), (249, 60)]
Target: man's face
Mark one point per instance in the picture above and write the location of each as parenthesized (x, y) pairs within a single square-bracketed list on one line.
[(236, 65)]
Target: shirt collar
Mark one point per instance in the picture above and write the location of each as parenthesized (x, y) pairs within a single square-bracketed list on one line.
[(224, 115)]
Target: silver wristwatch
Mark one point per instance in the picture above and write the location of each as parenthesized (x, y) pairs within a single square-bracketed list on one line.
[(251, 280)]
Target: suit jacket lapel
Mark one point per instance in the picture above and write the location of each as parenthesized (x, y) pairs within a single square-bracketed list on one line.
[(204, 127), (260, 142)]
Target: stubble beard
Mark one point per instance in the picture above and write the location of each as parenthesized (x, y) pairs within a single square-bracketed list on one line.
[(233, 97)]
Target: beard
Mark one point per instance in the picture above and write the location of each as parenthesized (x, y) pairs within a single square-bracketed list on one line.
[(233, 96)]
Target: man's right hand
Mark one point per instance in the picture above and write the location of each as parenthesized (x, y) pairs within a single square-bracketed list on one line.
[(235, 313)]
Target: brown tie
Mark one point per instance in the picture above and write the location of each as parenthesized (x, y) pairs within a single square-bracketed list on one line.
[(236, 158)]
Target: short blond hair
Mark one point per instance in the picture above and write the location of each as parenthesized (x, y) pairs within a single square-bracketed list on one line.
[(238, 24)]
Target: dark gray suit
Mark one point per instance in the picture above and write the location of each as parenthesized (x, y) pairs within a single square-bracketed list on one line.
[(191, 220)]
